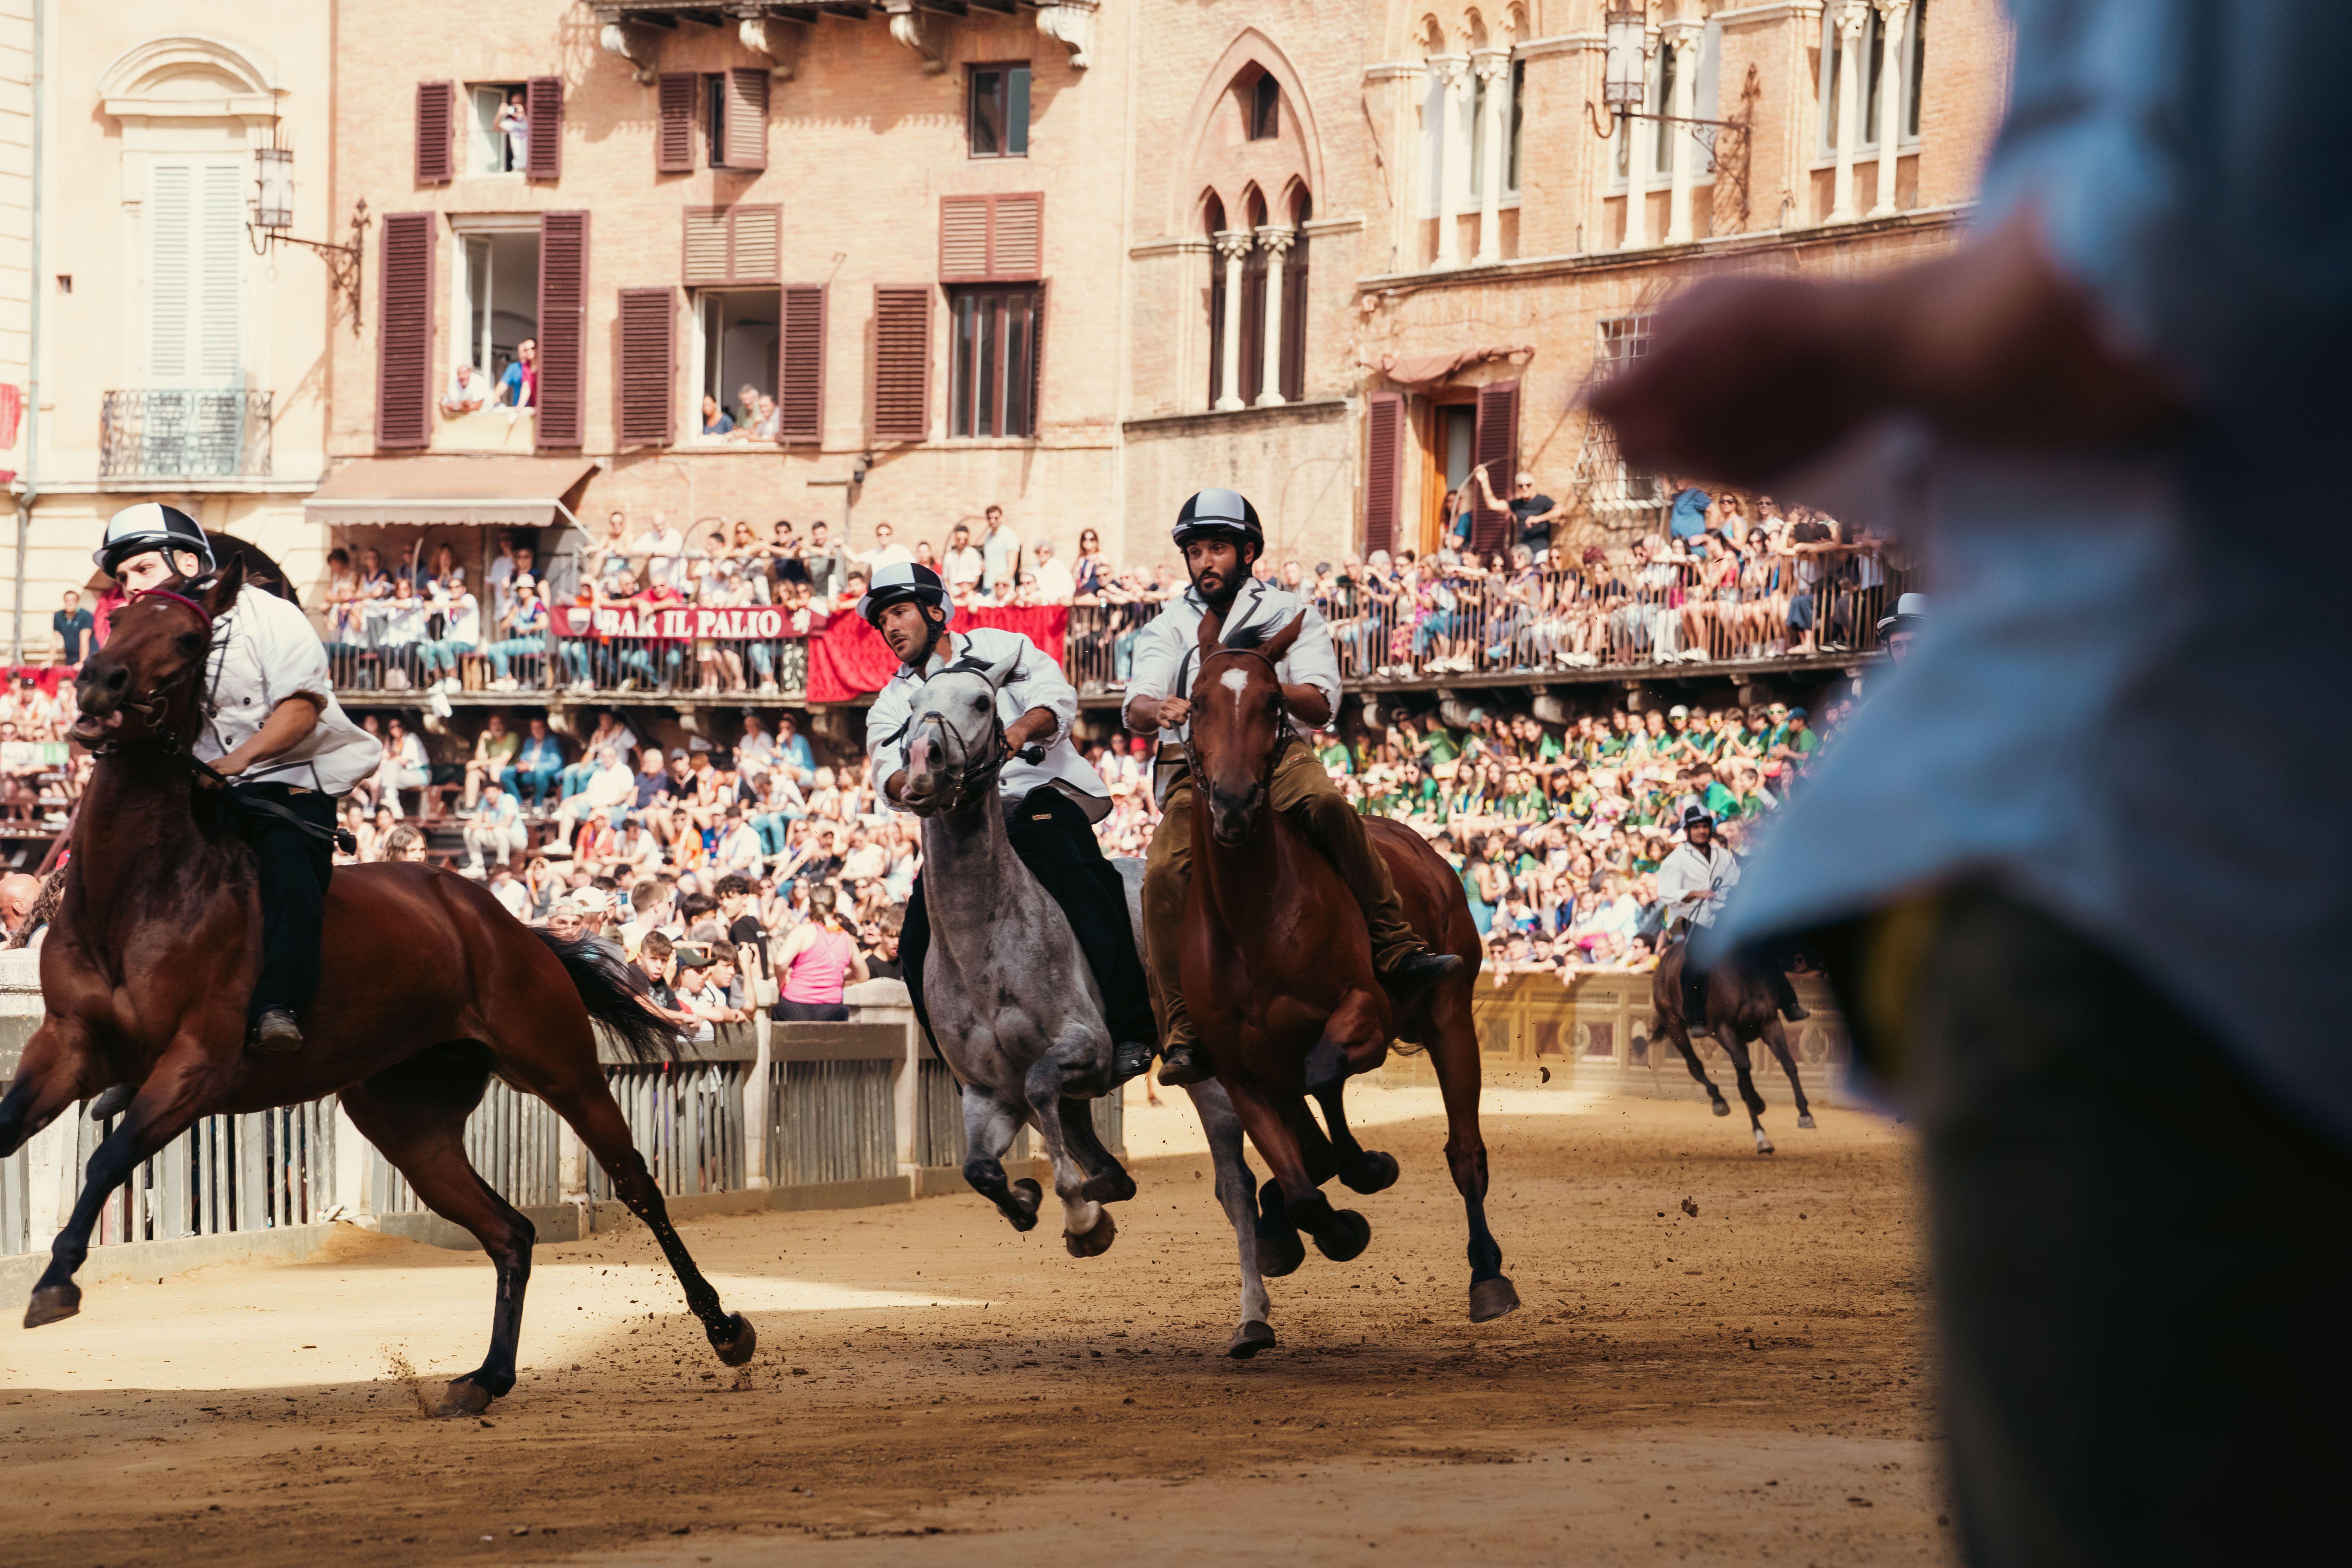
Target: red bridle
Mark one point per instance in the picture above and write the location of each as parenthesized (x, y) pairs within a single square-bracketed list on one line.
[(182, 598)]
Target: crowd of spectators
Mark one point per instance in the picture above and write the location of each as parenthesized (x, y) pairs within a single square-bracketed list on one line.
[(41, 774)]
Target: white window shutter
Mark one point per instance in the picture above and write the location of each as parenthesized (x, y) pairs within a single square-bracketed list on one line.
[(171, 210), (220, 342), (196, 275)]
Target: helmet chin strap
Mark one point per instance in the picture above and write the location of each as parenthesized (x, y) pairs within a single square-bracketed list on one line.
[(938, 630)]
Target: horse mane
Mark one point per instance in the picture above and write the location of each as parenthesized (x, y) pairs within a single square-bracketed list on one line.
[(1249, 638)]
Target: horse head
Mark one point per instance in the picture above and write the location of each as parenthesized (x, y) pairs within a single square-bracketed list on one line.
[(1238, 722), (954, 738), (141, 687)]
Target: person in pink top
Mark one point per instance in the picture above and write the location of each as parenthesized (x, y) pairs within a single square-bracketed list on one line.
[(819, 958)]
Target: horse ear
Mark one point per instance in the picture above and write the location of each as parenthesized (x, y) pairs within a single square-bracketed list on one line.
[(220, 593), (1213, 631), (1278, 645), (1002, 671)]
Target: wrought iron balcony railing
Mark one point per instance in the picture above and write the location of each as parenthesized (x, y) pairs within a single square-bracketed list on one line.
[(170, 433)]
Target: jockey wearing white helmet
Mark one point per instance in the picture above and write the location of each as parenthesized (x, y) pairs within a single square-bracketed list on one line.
[(1053, 798), (1219, 533), (273, 727)]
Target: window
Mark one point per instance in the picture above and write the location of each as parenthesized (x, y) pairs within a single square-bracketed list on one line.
[(497, 307), (993, 389), (1910, 58), (740, 334), (1518, 116), (997, 117), (1262, 107), (735, 119), (1510, 111), (195, 293), (497, 139), (1433, 131)]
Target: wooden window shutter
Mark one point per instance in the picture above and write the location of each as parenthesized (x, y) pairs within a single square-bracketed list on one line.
[(673, 123), (746, 123), (1495, 443), (562, 326), (992, 238), (899, 394), (437, 116), (649, 366), (799, 371), (706, 247), (963, 238), (1383, 471), (404, 332), (755, 245), (542, 108)]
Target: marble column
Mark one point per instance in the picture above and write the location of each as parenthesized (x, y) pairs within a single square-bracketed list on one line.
[(1892, 16), (1453, 154), (1850, 23), (1683, 37), (1233, 244), (1277, 242), (1640, 151), (1494, 69)]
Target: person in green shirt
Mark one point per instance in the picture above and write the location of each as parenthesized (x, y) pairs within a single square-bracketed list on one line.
[(1721, 803), (1798, 742), (1333, 754), (495, 750)]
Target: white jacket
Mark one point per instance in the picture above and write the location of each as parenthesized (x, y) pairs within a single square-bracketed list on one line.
[(1037, 682), (1689, 872), (264, 651)]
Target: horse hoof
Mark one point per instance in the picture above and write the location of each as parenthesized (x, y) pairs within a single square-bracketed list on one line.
[(1763, 1144), (1493, 1299), (52, 1304), (465, 1397), (1806, 1120), (1096, 1242), (1026, 1196), (1278, 1256), (1346, 1237), (742, 1340), (1722, 1108), (1113, 1186), (1251, 1338), (1377, 1173)]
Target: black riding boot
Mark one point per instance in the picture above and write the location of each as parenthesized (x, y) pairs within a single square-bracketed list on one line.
[(1055, 841), (292, 868)]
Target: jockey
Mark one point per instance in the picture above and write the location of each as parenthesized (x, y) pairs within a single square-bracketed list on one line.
[(273, 726), (1218, 532), (1692, 884), (1050, 804)]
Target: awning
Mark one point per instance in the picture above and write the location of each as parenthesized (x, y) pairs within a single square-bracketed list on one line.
[(1415, 372), (451, 492)]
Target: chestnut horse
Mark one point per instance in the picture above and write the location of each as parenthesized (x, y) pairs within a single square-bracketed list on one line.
[(1741, 1007), (428, 988), (1278, 977)]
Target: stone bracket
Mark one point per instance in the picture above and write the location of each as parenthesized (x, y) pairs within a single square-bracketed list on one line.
[(914, 30), (1071, 23)]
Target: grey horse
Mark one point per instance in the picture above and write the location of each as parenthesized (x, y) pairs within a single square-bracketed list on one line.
[(1013, 1006)]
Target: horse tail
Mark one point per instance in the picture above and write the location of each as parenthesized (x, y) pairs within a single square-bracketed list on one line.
[(614, 994)]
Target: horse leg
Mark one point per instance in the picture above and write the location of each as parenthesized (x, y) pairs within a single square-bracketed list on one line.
[(1292, 1200), (1778, 1038), (1108, 1181), (586, 1105), (1454, 1054), (1727, 1036), (58, 1068), (183, 1082), (1223, 1129), (1087, 1228), (1679, 1033), (415, 1114), (988, 1127), (1327, 1079)]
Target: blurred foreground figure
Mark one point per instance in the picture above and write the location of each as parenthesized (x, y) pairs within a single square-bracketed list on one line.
[(2074, 864)]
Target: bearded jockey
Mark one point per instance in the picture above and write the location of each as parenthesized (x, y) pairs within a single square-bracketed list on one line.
[(1050, 804), (1218, 532), (271, 727), (1693, 882)]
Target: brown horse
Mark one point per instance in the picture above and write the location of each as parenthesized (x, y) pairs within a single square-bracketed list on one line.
[(1278, 977), (430, 986), (1741, 1007)]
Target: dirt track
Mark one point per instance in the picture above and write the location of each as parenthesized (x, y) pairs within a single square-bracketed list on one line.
[(1745, 1386)]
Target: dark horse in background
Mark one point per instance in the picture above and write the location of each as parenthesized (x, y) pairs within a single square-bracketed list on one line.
[(428, 988), (1278, 977), (1742, 1004)]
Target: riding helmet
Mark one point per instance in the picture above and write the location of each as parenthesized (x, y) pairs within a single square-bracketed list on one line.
[(1218, 514), (898, 582), (1694, 817), (151, 525)]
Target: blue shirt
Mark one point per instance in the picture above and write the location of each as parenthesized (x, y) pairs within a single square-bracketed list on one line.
[(1689, 520), (2126, 697)]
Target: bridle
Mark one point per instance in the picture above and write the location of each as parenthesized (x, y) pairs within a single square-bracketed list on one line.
[(1284, 734), (152, 705), (969, 774)]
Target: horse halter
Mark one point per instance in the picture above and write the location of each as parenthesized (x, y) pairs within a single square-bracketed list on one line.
[(151, 705), (969, 774), (1284, 733)]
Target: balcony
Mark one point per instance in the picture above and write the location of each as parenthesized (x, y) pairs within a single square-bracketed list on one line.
[(159, 435)]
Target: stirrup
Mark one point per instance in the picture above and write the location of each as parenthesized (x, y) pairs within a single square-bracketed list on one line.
[(1182, 1064), (1412, 975), (275, 1033)]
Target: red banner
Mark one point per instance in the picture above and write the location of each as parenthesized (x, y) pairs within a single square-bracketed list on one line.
[(849, 657), (675, 623)]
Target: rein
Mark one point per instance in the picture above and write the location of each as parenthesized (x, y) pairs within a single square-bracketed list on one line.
[(150, 705), (1282, 738), (970, 775)]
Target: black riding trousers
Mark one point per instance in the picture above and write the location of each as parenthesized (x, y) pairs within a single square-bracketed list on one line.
[(293, 868), (1054, 840)]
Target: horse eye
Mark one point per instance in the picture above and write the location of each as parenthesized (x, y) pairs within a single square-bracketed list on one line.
[(191, 642)]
